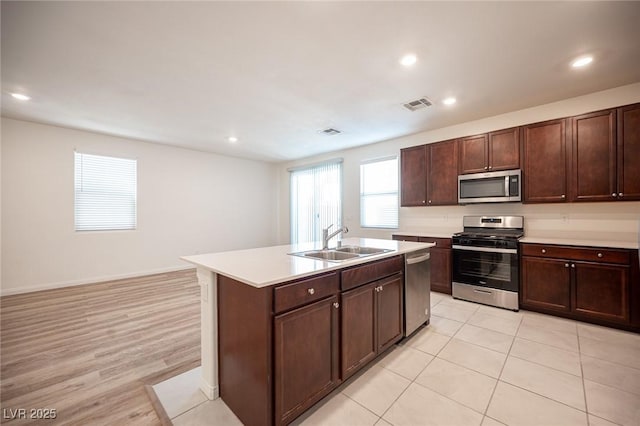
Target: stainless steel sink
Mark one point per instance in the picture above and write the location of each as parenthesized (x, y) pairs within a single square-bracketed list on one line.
[(341, 254), (331, 255), (362, 251)]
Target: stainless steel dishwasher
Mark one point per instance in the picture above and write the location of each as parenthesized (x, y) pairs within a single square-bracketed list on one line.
[(417, 290)]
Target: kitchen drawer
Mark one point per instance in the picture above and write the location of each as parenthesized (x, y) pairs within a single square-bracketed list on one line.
[(358, 275), (302, 292), (589, 254), (439, 242)]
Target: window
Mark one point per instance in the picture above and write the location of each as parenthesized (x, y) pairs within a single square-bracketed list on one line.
[(316, 200), (105, 193), (379, 193)]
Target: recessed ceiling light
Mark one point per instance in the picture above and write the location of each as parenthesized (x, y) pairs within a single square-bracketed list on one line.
[(408, 60), (20, 96), (233, 139), (449, 101), (582, 62)]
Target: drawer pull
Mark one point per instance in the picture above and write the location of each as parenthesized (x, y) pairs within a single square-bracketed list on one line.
[(336, 305), (620, 194), (600, 255), (614, 195), (573, 265), (563, 196), (544, 250), (566, 265), (311, 291)]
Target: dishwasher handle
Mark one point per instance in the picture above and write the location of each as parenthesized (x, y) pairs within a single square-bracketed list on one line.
[(418, 259)]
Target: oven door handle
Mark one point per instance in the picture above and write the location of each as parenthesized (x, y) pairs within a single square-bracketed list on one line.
[(484, 249)]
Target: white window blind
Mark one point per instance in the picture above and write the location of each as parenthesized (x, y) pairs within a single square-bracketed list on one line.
[(316, 200), (379, 193), (105, 193)]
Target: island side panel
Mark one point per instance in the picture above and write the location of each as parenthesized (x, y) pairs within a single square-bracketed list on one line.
[(208, 332), (245, 350)]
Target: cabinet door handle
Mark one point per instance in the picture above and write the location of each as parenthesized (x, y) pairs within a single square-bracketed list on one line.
[(381, 288), (573, 265), (566, 265), (310, 290), (486, 167), (544, 250), (424, 201), (336, 305), (620, 194), (429, 201), (614, 195), (563, 196), (490, 167), (600, 255)]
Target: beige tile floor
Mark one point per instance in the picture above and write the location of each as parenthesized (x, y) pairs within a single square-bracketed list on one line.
[(476, 365)]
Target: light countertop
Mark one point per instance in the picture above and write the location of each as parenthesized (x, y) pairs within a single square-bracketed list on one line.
[(265, 266), (433, 234)]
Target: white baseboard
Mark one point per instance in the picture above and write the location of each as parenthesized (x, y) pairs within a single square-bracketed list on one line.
[(93, 280), (211, 392)]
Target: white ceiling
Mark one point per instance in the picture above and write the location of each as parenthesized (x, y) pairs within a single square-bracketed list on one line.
[(273, 74)]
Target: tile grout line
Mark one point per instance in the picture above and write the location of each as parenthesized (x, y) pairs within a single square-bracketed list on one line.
[(584, 387), (502, 369)]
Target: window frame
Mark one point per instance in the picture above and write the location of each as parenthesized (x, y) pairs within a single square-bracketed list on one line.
[(96, 227), (396, 192), (307, 167)]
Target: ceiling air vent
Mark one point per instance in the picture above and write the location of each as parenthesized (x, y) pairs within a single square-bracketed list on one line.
[(330, 132), (418, 104)]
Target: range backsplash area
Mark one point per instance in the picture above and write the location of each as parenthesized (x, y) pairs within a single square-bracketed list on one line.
[(611, 221)]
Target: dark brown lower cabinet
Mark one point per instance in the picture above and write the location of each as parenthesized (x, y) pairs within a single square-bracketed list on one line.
[(371, 321), (546, 284), (601, 291), (306, 357), (585, 283), (280, 348)]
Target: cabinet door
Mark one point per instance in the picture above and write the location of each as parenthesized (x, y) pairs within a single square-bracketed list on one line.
[(545, 168), (629, 153), (504, 150), (594, 157), (474, 154), (441, 270), (358, 328), (389, 293), (443, 173), (546, 284), (601, 291), (306, 357), (413, 176)]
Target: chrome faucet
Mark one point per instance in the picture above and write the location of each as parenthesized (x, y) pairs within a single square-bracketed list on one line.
[(326, 236)]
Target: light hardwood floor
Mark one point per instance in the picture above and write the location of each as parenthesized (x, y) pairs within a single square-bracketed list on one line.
[(88, 351)]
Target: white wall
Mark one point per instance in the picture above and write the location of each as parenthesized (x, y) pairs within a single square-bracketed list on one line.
[(617, 220), (188, 202)]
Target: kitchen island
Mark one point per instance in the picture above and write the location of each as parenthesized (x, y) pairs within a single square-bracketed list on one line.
[(279, 332)]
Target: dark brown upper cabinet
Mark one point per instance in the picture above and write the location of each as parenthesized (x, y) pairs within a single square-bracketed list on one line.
[(628, 157), (593, 161), (495, 151), (413, 176), (442, 170), (429, 174), (545, 162)]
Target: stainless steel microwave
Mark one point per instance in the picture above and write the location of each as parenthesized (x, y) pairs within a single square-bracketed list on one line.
[(491, 187)]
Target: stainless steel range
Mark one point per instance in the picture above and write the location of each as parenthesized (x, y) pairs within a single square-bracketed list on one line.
[(486, 260)]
